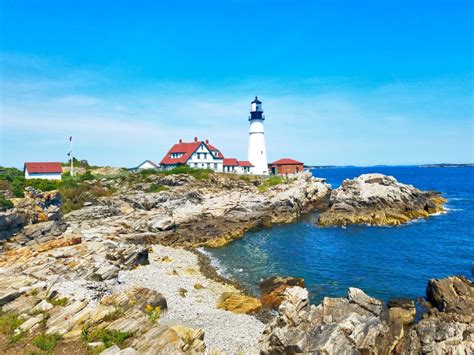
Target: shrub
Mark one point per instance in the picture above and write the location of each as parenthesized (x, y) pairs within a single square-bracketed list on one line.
[(200, 174), (17, 186), (43, 184), (4, 185), (74, 193), (77, 163), (86, 176), (5, 204), (47, 342)]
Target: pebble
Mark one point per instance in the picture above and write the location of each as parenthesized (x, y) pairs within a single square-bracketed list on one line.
[(226, 331)]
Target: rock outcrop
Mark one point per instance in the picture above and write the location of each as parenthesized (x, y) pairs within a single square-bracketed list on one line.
[(194, 212), (35, 207), (272, 289), (380, 200), (362, 324)]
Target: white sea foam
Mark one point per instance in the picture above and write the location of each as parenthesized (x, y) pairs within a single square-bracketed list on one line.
[(450, 209), (215, 263)]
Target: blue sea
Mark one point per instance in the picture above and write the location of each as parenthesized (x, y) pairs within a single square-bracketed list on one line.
[(385, 262)]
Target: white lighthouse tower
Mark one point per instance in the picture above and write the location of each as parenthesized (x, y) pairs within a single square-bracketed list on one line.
[(257, 153)]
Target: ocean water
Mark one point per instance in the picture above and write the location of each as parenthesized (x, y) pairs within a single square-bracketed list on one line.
[(385, 262)]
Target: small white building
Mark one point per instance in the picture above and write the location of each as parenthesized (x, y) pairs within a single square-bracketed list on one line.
[(234, 166), (146, 165), (45, 170)]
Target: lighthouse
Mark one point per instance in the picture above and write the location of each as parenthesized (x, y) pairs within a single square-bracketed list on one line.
[(257, 153)]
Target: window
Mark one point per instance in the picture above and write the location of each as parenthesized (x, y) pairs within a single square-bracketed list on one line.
[(202, 165), (199, 155), (208, 165), (215, 166), (205, 155)]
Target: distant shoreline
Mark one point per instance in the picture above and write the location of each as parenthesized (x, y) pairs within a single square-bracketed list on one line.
[(441, 165)]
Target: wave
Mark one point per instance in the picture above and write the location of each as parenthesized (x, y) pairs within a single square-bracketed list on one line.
[(215, 263), (448, 209)]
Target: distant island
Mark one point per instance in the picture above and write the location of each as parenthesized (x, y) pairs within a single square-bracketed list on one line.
[(446, 165), (441, 165)]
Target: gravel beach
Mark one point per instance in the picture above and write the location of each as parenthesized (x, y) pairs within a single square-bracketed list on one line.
[(170, 271)]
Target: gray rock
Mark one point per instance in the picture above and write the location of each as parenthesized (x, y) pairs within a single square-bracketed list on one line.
[(359, 297), (43, 306)]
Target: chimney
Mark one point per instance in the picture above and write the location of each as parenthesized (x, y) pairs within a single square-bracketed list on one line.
[(195, 139), (207, 141), (180, 141)]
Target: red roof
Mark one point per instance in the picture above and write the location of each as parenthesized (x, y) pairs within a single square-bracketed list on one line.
[(187, 149), (245, 163), (286, 161), (231, 162), (235, 162), (213, 149), (35, 168)]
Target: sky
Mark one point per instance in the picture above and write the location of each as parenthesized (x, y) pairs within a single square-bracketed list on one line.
[(342, 82)]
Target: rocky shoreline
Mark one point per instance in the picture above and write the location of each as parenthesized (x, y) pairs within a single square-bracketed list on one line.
[(379, 200), (362, 324), (117, 268)]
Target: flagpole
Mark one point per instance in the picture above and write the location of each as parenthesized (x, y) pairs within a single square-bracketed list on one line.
[(72, 158)]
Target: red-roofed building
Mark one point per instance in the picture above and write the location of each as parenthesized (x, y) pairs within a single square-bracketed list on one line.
[(197, 154), (232, 165), (43, 170), (202, 155), (286, 166)]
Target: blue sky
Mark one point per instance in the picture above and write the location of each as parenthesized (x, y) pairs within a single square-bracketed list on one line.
[(342, 82)]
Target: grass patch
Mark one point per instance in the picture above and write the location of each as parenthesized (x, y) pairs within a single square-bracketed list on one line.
[(245, 178), (16, 338), (58, 301), (108, 337), (114, 315), (270, 182), (157, 188), (9, 322), (47, 342)]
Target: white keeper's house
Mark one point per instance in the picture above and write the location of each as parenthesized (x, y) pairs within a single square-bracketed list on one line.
[(43, 170), (202, 155), (146, 165)]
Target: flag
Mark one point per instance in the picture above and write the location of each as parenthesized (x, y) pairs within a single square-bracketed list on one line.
[(70, 138)]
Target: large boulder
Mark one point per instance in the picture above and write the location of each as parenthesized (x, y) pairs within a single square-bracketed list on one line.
[(378, 199)]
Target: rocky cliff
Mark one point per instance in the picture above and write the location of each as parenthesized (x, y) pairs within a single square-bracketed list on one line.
[(379, 200)]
